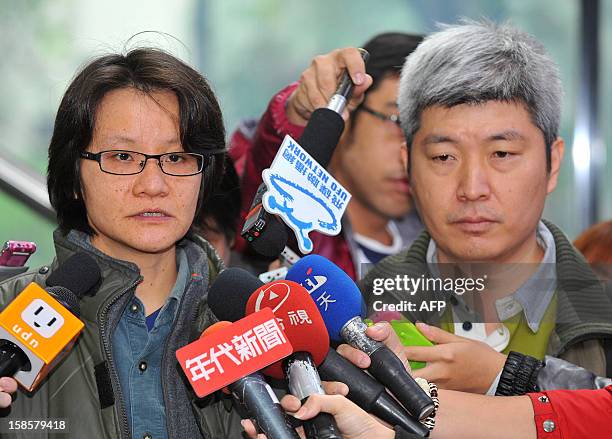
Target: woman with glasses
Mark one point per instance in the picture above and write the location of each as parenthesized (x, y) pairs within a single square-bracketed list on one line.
[(137, 146)]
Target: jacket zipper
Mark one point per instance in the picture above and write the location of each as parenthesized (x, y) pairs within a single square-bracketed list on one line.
[(125, 428), (163, 381)]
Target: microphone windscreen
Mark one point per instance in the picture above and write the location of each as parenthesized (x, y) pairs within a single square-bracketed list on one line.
[(66, 298), (297, 316), (334, 292), (79, 273), (229, 293), (215, 327), (273, 238), (321, 135)]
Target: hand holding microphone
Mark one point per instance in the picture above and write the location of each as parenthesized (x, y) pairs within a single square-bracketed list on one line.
[(8, 386), (340, 303), (230, 302), (319, 81), (39, 326), (353, 422), (264, 232)]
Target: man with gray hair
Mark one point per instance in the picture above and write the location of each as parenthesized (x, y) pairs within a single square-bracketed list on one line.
[(480, 107)]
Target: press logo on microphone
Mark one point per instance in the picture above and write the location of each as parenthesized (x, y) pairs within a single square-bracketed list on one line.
[(273, 296), (303, 194), (246, 346), (42, 318), (42, 327), (41, 322)]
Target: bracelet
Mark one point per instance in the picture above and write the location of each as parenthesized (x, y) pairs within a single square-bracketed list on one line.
[(519, 376), (432, 390)]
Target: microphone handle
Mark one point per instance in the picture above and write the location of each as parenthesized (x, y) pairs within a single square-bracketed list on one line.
[(261, 190), (387, 368), (368, 393), (262, 405), (389, 410), (12, 359), (304, 381), (322, 426)]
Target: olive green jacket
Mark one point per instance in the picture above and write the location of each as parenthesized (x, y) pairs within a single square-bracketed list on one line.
[(583, 330), (84, 388)]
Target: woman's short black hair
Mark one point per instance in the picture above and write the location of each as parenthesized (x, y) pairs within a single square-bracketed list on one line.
[(146, 70), (221, 212)]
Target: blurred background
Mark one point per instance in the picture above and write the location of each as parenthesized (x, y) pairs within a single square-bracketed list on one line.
[(249, 49)]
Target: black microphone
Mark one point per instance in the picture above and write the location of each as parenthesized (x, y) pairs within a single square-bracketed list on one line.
[(252, 392), (77, 276), (368, 393), (319, 139), (262, 405), (230, 304), (342, 315)]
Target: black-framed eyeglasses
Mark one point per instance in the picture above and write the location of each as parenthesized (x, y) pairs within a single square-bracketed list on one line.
[(385, 117), (123, 162)]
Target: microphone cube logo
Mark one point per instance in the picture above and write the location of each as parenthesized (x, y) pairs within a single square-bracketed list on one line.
[(303, 194), (39, 316), (40, 323)]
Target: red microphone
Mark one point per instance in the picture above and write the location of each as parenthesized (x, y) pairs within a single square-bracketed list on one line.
[(230, 354), (299, 318)]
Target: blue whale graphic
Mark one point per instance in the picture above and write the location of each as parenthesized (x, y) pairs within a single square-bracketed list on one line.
[(318, 213)]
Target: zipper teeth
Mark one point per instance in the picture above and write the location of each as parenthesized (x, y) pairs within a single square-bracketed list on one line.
[(178, 309), (125, 428)]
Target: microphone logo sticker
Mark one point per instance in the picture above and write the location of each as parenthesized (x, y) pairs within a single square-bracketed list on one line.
[(42, 318), (303, 194), (272, 296), (312, 284)]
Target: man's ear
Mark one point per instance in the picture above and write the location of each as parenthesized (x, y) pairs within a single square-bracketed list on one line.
[(557, 149), (405, 159), (404, 155)]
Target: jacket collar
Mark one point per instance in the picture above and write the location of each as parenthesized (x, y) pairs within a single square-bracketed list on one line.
[(583, 307), (118, 275)]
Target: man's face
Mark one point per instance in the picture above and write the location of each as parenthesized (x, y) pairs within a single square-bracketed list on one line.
[(369, 164), (146, 212), (479, 180)]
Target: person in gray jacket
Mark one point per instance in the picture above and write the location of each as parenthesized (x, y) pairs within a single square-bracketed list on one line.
[(137, 146)]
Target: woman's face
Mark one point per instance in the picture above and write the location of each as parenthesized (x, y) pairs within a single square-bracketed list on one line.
[(146, 212)]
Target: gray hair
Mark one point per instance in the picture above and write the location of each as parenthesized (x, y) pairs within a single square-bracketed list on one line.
[(476, 62)]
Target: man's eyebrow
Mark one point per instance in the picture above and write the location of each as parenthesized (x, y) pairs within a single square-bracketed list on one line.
[(435, 138), (507, 135)]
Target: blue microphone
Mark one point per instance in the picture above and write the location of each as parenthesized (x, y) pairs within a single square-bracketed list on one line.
[(340, 303)]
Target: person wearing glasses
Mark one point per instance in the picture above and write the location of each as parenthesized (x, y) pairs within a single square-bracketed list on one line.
[(379, 220), (138, 145)]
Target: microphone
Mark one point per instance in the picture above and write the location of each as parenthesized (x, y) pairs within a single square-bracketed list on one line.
[(319, 139), (340, 304), (39, 327), (266, 233), (304, 327), (256, 396), (368, 393), (229, 303)]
